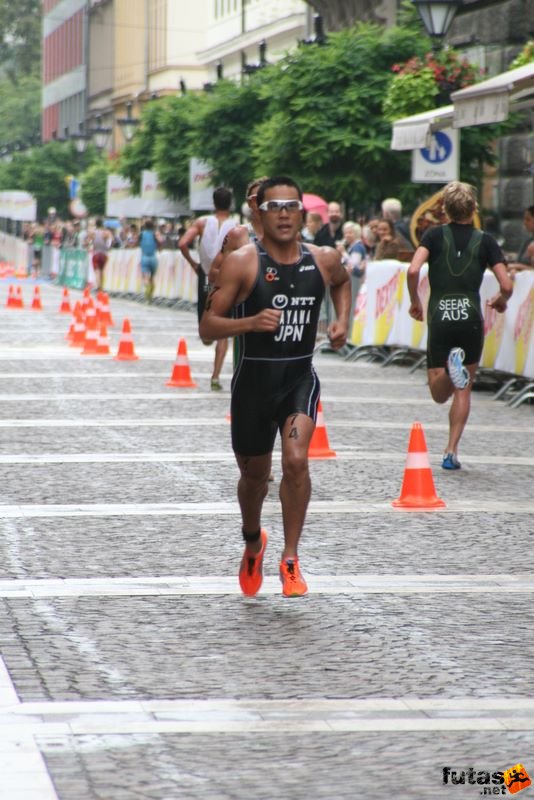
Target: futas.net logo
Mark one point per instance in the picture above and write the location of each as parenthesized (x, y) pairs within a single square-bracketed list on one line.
[(490, 784)]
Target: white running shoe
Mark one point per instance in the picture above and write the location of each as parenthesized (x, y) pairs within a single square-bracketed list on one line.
[(455, 365)]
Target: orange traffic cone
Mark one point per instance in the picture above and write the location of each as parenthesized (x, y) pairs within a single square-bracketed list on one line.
[(10, 302), (70, 332), (126, 350), (102, 343), (36, 302), (418, 485), (91, 332), (319, 446), (65, 303), (181, 374), (77, 338), (86, 299), (105, 311), (18, 301)]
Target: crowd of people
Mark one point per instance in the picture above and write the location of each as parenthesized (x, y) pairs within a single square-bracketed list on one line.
[(99, 236), (377, 238)]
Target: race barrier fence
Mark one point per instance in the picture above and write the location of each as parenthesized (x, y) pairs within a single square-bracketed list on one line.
[(175, 280), (381, 317), (14, 256)]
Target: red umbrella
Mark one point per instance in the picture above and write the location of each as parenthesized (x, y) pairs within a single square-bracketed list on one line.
[(312, 202)]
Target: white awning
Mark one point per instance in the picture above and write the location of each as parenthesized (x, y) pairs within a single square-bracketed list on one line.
[(413, 133), (494, 99)]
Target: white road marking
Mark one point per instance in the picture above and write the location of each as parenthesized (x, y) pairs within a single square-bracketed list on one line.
[(31, 511), (80, 422), (23, 770), (130, 717), (225, 375), (169, 586), (111, 423), (226, 458)]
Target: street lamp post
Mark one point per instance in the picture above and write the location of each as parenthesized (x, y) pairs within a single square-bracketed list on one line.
[(319, 36), (128, 123), (249, 69), (100, 134), (437, 16), (80, 139)]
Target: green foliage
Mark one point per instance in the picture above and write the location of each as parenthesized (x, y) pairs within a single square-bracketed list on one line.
[(526, 56), (20, 38), (321, 114), (232, 112), (175, 143), (20, 121), (409, 93), (408, 18), (423, 83), (43, 171), (11, 173), (93, 187), (324, 123), (140, 154)]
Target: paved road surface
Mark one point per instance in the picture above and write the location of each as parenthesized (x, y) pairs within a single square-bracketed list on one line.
[(131, 667)]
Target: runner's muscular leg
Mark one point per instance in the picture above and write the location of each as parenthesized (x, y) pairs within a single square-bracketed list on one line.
[(459, 412), (295, 486), (251, 490), (220, 352), (440, 385)]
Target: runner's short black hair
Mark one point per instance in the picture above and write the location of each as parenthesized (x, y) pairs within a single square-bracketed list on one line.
[(222, 198), (279, 180)]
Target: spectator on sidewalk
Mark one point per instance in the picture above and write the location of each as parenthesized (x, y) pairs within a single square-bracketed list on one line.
[(327, 236), (353, 257), (392, 210), (525, 256), (311, 227), (389, 244)]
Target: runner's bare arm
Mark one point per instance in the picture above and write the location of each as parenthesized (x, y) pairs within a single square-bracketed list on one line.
[(420, 257), (234, 239), (234, 283), (336, 277), (196, 229), (506, 286)]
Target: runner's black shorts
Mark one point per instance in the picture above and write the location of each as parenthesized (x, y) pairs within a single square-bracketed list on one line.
[(264, 395), (442, 338)]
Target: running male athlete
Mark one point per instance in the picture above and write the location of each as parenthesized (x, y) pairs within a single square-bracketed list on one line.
[(275, 288), (241, 234), (457, 256), (211, 232)]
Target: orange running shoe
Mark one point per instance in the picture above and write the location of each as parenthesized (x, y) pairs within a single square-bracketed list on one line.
[(293, 584), (251, 569)]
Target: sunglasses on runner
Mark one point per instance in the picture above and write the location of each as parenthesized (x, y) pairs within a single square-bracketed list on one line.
[(291, 206)]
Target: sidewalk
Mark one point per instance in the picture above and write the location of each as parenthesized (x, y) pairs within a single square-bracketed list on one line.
[(131, 667)]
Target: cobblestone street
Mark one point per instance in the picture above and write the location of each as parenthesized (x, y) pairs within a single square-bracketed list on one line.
[(131, 666)]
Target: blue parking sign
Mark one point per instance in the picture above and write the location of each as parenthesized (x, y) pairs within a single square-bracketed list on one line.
[(437, 163)]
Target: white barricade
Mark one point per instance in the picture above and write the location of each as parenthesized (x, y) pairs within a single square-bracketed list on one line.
[(381, 317), (175, 280), (14, 256)]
